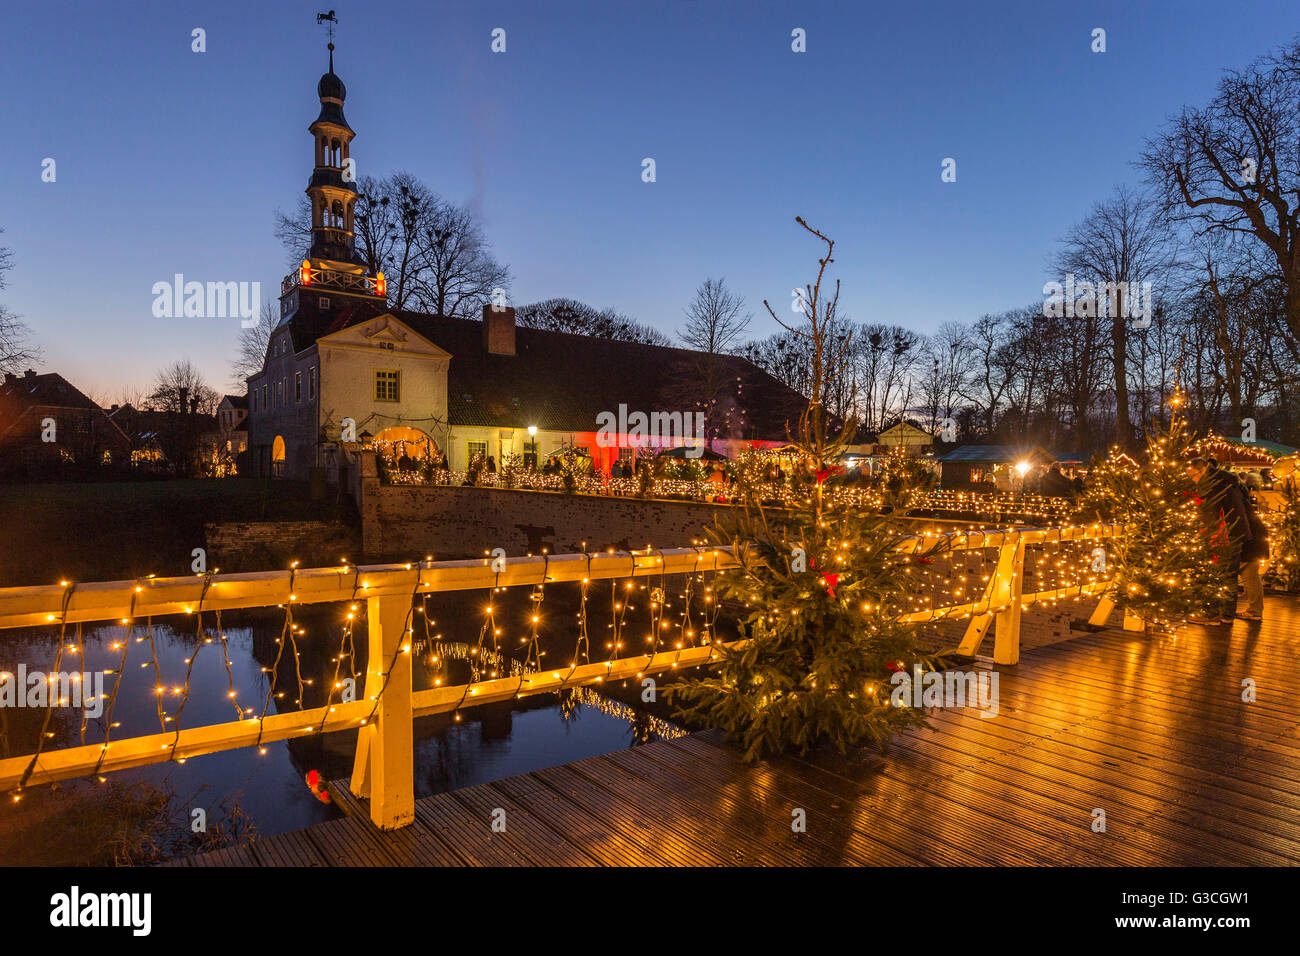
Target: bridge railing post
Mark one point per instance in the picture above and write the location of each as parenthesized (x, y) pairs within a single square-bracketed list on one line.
[(384, 767), (1010, 577)]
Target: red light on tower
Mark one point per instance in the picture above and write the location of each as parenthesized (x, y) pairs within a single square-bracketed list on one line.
[(381, 284), (304, 273)]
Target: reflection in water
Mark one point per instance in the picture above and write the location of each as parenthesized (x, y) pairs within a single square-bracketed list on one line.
[(195, 670)]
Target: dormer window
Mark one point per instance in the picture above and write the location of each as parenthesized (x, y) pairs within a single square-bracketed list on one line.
[(324, 302)]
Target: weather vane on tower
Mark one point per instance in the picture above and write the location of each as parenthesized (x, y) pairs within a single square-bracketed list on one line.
[(331, 20)]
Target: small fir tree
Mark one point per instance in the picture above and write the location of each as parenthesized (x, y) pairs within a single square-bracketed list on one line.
[(1285, 533), (1161, 565), (821, 582)]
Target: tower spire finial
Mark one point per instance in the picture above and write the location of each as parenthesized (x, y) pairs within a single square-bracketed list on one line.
[(331, 20)]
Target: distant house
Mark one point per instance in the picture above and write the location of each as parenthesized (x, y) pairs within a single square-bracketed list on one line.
[(914, 441), (232, 431), (47, 425), (183, 442), (996, 464)]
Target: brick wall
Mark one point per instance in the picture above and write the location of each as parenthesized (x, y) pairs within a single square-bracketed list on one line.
[(404, 521), (270, 545)]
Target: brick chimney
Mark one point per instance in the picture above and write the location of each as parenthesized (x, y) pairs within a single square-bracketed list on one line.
[(499, 330)]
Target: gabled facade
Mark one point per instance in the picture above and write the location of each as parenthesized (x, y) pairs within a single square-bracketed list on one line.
[(47, 425), (915, 441)]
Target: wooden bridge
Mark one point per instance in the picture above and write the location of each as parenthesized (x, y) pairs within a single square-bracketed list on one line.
[(1152, 731), (1148, 735)]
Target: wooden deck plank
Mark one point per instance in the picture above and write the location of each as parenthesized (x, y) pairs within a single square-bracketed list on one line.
[(831, 824), (532, 837), (350, 842), (601, 842), (341, 795), (631, 821), (748, 812), (469, 834), (288, 849), (228, 856), (1152, 729)]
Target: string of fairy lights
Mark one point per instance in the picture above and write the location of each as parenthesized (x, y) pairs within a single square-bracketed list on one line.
[(288, 656), (943, 584), (1027, 507), (676, 612)]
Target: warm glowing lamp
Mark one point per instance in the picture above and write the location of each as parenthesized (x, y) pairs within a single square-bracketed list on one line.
[(381, 284), (532, 429), (1021, 468), (304, 273)]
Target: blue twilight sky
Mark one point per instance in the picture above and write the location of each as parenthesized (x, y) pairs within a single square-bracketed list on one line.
[(173, 161)]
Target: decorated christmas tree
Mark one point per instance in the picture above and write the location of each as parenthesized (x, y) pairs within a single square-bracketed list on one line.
[(1284, 533), (820, 584), (1161, 565)]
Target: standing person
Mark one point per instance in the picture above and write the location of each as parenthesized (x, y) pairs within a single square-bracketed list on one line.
[(1055, 484), (1254, 554), (1225, 520), (491, 465)]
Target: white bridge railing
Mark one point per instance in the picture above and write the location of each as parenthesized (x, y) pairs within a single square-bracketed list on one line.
[(384, 763)]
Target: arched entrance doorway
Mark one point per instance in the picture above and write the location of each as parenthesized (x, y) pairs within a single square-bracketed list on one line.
[(406, 447), (277, 457)]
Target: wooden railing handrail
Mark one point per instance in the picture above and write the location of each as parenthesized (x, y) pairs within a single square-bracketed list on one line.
[(384, 758), (156, 597)]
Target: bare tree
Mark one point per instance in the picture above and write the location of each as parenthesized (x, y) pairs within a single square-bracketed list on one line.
[(432, 252), (1233, 166), (137, 396), (993, 361), (715, 319), (390, 218), (253, 343), (831, 355), (294, 232), (16, 349), (1117, 247), (185, 401), (786, 357), (457, 275), (577, 318), (945, 369), (885, 358), (1029, 402), (1230, 300), (715, 322)]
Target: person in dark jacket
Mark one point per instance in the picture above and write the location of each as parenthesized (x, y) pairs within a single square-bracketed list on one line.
[(1055, 484), (1225, 520), (1254, 554)]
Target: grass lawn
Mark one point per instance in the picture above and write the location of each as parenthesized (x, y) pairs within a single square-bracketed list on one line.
[(99, 531)]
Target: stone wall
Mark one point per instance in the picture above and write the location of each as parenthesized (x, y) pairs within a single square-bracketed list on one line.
[(270, 545), (405, 521)]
